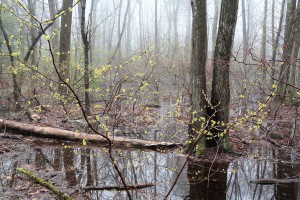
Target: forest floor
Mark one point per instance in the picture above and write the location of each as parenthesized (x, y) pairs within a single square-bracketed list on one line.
[(280, 129)]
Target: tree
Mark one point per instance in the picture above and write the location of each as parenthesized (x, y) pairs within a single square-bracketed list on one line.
[(54, 27), (86, 45), (215, 25), (276, 42), (289, 42), (295, 51), (220, 94), (112, 58), (263, 43), (65, 44), (15, 76), (198, 69)]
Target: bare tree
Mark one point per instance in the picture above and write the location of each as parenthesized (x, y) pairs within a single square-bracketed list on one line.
[(16, 79), (263, 43), (198, 70), (220, 95), (215, 25), (54, 27), (245, 37), (276, 42), (295, 51), (86, 45), (289, 41), (120, 35), (65, 44)]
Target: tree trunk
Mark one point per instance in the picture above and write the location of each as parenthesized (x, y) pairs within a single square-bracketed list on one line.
[(175, 25), (198, 69), (156, 56), (117, 48), (220, 95), (128, 31), (86, 45), (93, 27), (64, 45), (54, 27), (264, 44), (296, 44), (215, 26), (276, 42), (16, 82), (245, 39), (282, 90), (141, 26)]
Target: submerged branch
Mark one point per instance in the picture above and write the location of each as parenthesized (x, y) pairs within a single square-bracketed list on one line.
[(273, 181), (45, 183), (119, 188)]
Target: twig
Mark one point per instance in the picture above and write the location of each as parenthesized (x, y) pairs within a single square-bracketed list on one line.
[(273, 142)]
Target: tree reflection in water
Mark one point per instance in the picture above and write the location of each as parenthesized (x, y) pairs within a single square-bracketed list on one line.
[(207, 180), (73, 168), (81, 167)]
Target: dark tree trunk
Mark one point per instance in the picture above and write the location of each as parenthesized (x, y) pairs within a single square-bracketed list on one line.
[(16, 82), (86, 45), (198, 77), (295, 51), (54, 27), (220, 96), (65, 44), (276, 42), (282, 91)]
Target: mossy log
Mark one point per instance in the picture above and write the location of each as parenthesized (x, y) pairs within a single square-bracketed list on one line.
[(28, 129), (45, 183)]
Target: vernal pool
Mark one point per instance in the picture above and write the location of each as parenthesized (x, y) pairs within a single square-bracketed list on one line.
[(73, 169)]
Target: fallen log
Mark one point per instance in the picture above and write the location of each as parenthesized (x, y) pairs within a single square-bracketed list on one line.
[(273, 181), (28, 129), (118, 188)]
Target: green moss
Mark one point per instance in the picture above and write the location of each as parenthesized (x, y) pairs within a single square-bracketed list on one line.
[(45, 183), (225, 145), (200, 147)]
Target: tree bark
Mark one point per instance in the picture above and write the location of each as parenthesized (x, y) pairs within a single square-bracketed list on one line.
[(16, 82), (245, 39), (264, 44), (295, 51), (282, 90), (215, 26), (54, 27), (198, 70), (86, 45), (65, 45), (276, 42), (220, 95)]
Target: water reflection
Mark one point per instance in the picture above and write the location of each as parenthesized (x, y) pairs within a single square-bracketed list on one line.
[(261, 164), (207, 180), (76, 168), (73, 169)]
